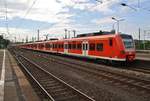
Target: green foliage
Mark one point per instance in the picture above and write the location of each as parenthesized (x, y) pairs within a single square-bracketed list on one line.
[(3, 43), (142, 45)]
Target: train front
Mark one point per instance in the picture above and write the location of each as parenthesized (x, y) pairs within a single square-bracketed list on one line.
[(129, 47)]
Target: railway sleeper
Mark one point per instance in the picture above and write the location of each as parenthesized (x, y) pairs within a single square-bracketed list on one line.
[(39, 76), (62, 94), (47, 80), (140, 83), (131, 81), (51, 86), (148, 86), (68, 98), (47, 84), (57, 90), (122, 79), (56, 87)]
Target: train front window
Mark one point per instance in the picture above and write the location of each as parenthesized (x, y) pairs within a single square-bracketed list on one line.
[(128, 41)]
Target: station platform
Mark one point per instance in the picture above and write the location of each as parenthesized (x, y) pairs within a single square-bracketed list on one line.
[(143, 56), (14, 86)]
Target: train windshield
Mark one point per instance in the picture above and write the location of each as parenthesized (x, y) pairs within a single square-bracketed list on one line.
[(128, 41)]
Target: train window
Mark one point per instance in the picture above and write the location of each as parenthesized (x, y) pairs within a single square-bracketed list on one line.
[(48, 46), (69, 47), (110, 42), (54, 45), (92, 46), (79, 46), (99, 47), (39, 45), (42, 45), (59, 45), (74, 46), (86, 46), (83, 47), (35, 45)]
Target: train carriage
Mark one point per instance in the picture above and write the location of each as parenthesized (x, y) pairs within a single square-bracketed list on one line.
[(108, 46)]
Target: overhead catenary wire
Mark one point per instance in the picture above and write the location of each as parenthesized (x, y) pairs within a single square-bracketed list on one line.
[(78, 13), (6, 17), (75, 3), (34, 2), (25, 14)]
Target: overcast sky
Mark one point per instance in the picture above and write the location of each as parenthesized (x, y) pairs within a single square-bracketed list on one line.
[(53, 16)]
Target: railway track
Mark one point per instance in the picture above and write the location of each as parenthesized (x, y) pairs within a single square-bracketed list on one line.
[(132, 68), (52, 87), (127, 80), (142, 70), (137, 68)]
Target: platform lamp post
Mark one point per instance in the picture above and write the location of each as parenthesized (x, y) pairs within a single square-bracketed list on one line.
[(134, 8), (3, 35), (124, 4), (118, 21)]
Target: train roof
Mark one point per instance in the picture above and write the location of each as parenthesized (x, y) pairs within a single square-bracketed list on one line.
[(76, 38), (88, 37), (96, 33)]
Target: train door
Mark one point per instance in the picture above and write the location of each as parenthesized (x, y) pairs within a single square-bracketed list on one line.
[(51, 46), (65, 47), (85, 48)]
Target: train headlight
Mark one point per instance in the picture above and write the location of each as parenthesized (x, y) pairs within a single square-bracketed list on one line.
[(122, 52)]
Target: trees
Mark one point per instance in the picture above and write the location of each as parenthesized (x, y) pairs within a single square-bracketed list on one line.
[(3, 42), (142, 45)]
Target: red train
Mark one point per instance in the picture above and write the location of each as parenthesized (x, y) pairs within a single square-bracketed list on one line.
[(102, 45)]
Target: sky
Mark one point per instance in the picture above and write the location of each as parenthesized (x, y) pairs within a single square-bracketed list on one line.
[(20, 19)]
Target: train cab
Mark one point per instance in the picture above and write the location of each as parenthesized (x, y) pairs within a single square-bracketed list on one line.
[(129, 47)]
